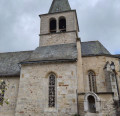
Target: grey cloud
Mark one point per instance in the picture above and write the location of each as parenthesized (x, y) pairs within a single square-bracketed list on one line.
[(20, 24), (101, 22)]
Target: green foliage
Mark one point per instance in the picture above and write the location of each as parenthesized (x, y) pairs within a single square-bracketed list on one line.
[(7, 101), (3, 88)]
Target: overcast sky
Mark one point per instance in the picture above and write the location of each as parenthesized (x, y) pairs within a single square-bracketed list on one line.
[(20, 24)]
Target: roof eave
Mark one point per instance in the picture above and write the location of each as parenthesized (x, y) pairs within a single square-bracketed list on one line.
[(57, 12), (10, 75), (93, 55), (48, 61)]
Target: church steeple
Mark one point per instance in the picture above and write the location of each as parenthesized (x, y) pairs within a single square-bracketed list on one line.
[(60, 25), (59, 6)]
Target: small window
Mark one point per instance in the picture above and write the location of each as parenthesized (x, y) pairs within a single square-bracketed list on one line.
[(2, 88), (52, 88), (52, 25), (62, 24), (92, 81)]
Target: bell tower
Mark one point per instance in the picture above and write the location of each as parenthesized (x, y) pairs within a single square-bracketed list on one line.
[(53, 73), (59, 25)]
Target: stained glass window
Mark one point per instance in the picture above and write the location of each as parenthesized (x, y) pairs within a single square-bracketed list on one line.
[(92, 81), (2, 90), (52, 85)]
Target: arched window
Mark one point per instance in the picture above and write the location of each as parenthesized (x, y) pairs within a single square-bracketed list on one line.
[(52, 25), (62, 24), (2, 90), (91, 104), (92, 81), (52, 90)]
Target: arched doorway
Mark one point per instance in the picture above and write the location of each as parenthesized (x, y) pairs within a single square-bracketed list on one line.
[(91, 104)]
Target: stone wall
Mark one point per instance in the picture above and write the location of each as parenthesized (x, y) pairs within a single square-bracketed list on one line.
[(11, 94), (107, 105), (81, 104), (58, 38), (97, 64), (47, 38), (80, 83), (71, 21), (33, 90)]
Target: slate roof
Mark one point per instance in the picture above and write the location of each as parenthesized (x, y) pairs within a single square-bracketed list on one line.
[(93, 48), (59, 6), (54, 52), (9, 61)]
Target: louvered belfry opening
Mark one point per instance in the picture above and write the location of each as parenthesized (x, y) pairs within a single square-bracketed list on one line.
[(62, 24), (52, 25)]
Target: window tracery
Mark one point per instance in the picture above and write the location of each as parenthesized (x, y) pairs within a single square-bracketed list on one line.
[(52, 86), (92, 81), (2, 90)]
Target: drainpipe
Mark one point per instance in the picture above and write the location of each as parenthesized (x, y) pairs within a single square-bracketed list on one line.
[(117, 86), (113, 69), (77, 104)]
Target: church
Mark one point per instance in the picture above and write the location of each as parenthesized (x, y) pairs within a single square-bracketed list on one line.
[(62, 76)]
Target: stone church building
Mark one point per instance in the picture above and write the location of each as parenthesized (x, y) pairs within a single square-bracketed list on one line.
[(62, 76)]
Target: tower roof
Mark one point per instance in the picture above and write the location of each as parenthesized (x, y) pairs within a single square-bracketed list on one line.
[(59, 6)]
